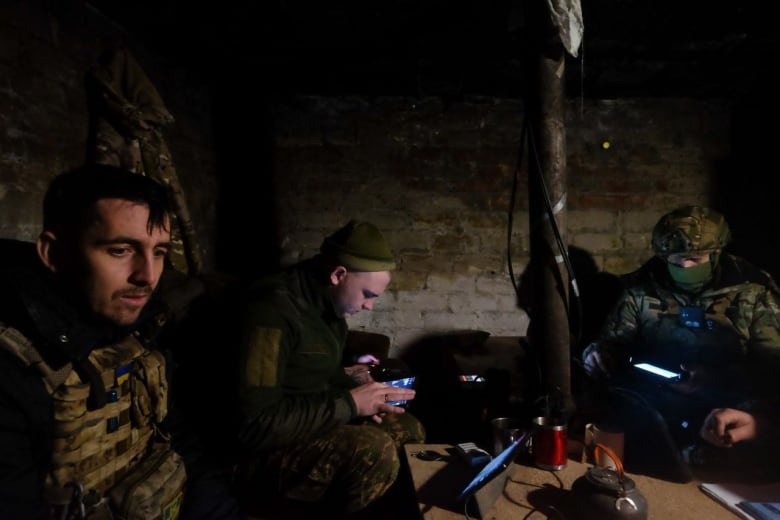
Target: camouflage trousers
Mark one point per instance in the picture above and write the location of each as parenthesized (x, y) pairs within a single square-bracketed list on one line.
[(348, 467)]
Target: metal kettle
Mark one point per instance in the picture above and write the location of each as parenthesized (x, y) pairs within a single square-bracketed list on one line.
[(608, 494)]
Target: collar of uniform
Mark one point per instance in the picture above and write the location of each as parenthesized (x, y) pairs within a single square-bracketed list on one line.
[(315, 290), (731, 271), (40, 309), (737, 270)]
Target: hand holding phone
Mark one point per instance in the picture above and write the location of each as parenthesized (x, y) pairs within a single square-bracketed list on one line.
[(694, 379), (405, 382), (376, 399)]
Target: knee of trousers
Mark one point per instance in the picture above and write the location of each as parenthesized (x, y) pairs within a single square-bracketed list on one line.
[(376, 451), (404, 428), (374, 466)]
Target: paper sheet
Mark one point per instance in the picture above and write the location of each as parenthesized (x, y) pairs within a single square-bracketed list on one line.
[(764, 498)]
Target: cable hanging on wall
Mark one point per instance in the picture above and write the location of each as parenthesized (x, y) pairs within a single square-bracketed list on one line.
[(527, 138)]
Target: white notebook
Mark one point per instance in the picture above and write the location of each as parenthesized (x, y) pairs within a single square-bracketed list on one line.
[(749, 501)]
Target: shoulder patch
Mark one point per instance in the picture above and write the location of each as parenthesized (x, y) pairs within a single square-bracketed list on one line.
[(262, 357)]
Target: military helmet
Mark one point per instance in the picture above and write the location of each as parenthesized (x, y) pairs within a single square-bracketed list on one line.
[(692, 230)]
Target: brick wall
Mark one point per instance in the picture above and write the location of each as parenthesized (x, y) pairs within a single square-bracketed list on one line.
[(437, 178), (44, 56)]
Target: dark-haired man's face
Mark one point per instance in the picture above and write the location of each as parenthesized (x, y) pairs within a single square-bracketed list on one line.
[(123, 260)]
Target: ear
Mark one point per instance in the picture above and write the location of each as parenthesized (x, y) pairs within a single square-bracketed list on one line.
[(46, 246), (338, 274)]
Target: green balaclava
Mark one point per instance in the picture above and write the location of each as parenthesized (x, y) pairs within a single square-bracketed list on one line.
[(691, 278), (359, 246), (691, 231)]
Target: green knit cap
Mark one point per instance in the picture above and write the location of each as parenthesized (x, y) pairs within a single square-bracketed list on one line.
[(359, 246)]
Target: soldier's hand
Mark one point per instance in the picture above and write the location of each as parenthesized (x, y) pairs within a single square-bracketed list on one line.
[(598, 365), (693, 379), (726, 426), (373, 398), (368, 359), (359, 373)]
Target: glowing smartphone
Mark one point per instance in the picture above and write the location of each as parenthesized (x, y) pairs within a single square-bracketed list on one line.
[(406, 382), (666, 374)]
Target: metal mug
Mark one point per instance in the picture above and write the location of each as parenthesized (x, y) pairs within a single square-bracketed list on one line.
[(506, 430), (549, 443)]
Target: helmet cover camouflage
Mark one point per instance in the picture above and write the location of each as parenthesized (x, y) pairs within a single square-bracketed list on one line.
[(690, 230)]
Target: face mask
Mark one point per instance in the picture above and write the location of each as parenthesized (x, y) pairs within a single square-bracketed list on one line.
[(690, 278)]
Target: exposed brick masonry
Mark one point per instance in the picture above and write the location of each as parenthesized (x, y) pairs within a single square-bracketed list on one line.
[(436, 178)]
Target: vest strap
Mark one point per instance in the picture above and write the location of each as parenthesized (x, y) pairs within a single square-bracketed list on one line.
[(17, 344)]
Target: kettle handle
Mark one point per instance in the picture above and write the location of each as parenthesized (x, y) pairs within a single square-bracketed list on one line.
[(612, 455)]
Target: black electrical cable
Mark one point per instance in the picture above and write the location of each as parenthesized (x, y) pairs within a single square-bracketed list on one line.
[(527, 136), (559, 241), (512, 200)]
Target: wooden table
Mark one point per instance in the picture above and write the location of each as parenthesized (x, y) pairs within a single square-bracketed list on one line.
[(531, 492)]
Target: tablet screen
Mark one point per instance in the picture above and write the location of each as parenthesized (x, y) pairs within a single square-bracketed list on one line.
[(493, 468)]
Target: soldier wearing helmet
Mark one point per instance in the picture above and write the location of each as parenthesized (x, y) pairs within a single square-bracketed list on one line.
[(695, 308), (690, 240)]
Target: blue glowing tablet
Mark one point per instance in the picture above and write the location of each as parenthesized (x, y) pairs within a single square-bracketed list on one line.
[(493, 468)]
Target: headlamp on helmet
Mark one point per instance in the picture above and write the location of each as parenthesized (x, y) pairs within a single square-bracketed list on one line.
[(692, 231)]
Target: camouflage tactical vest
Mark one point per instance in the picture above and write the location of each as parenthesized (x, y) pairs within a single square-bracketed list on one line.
[(712, 340), (107, 460)]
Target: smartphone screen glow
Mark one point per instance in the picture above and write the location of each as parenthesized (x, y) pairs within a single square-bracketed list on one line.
[(668, 374), (406, 382)]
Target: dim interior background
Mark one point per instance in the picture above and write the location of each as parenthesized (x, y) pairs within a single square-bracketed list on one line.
[(293, 116)]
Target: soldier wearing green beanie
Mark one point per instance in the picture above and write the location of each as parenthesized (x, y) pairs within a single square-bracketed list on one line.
[(359, 246), (312, 432), (695, 309)]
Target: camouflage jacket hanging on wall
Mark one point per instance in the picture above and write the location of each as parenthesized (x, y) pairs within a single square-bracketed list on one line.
[(128, 115)]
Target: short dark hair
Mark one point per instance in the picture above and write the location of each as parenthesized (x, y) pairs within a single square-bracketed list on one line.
[(69, 203)]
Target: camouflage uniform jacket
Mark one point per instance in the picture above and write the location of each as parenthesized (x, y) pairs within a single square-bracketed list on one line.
[(741, 319), (293, 384)]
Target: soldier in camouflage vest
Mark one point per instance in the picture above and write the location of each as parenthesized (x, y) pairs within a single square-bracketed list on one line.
[(84, 392), (693, 308)]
